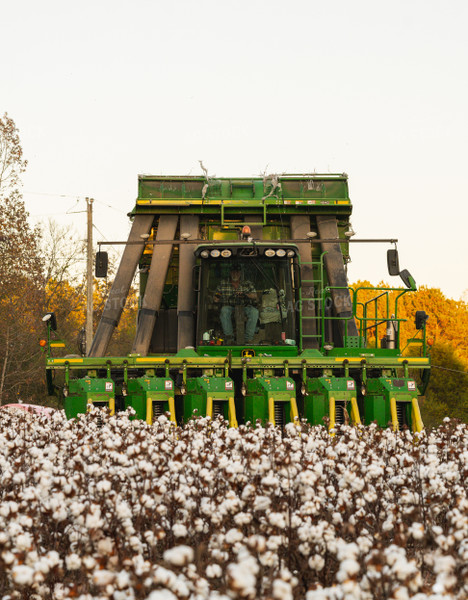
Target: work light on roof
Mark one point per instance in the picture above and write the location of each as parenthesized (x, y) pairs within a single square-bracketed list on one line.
[(270, 252), (226, 253), (281, 252), (204, 253), (215, 253)]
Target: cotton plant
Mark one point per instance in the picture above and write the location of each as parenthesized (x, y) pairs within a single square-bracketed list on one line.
[(108, 507)]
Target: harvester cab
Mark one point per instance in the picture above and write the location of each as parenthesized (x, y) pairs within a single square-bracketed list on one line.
[(247, 295), (246, 312)]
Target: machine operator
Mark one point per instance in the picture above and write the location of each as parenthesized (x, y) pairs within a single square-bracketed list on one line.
[(234, 292)]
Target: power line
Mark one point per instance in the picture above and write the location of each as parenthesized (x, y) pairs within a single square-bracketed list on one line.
[(447, 369), (112, 207), (56, 195), (105, 238)]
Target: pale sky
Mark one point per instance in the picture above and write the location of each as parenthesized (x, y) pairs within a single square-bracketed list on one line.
[(104, 90)]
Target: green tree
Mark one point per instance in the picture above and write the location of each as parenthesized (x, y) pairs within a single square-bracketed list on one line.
[(447, 392)]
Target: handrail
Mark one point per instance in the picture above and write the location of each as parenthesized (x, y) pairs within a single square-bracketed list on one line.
[(369, 319)]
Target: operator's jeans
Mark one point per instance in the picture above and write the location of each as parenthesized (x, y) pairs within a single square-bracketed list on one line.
[(226, 321)]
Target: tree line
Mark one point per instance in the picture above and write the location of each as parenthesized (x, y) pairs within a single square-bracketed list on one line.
[(39, 273)]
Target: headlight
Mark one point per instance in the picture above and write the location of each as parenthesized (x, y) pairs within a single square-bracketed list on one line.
[(281, 252), (270, 252), (226, 253), (291, 253), (204, 253), (215, 253)]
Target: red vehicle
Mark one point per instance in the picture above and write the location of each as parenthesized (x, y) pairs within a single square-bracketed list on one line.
[(35, 409)]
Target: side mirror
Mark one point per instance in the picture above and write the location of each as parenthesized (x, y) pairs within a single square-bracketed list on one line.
[(408, 279), (420, 319), (102, 263), (393, 262)]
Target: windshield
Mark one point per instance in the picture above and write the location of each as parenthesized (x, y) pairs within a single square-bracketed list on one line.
[(246, 302)]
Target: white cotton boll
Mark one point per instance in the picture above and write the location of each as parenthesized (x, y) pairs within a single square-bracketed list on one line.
[(348, 567), (147, 501), (337, 518), (199, 525), (319, 594), (162, 595), (24, 541), (123, 510), (273, 542), (19, 478), (89, 562), (53, 559), (270, 480), (103, 577), (179, 555), (388, 524), (444, 564), (122, 580), (233, 536), (304, 548), (76, 508), (93, 519), (316, 562), (277, 520), (261, 503), (257, 542), (73, 562), (318, 468), (346, 551), (145, 466), (282, 590), (242, 578), (179, 530), (8, 557), (105, 546), (403, 568), (213, 571), (248, 491), (243, 518), (60, 514), (417, 530), (103, 486), (22, 575)]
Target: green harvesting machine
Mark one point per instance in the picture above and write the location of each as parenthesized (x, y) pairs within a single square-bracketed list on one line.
[(245, 311)]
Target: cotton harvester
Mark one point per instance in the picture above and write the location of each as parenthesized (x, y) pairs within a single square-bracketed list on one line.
[(245, 311)]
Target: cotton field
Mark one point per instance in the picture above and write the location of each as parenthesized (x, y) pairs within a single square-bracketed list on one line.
[(123, 510)]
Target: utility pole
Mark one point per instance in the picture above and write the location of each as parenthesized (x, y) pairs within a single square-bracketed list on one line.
[(89, 277)]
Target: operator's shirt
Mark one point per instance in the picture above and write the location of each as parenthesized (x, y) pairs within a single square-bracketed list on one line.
[(227, 292)]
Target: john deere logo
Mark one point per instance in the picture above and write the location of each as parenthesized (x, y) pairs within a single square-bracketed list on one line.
[(248, 353)]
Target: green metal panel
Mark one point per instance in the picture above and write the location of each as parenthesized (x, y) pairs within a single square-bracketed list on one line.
[(140, 389), (259, 390), (320, 390), (86, 390), (200, 389), (380, 391)]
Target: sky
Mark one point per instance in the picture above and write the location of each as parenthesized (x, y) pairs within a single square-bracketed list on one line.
[(102, 91)]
